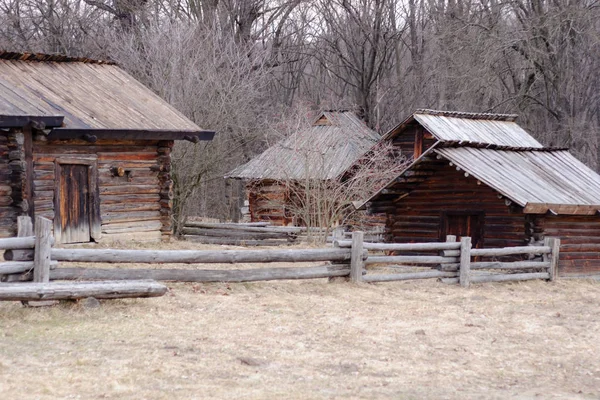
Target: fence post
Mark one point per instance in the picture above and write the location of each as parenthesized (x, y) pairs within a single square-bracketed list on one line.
[(554, 244), (465, 261), (356, 260), (41, 253)]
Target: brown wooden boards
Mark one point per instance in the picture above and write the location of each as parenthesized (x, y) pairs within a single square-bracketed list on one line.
[(74, 204)]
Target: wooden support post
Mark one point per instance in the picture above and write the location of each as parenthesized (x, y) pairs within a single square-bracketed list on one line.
[(465, 261), (554, 244), (356, 260), (43, 246)]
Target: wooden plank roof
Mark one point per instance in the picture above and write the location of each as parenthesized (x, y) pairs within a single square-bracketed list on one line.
[(323, 151), (89, 94), (540, 180), (453, 126)]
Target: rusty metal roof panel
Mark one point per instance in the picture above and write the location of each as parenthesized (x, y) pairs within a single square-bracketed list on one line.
[(319, 152), (554, 178), (89, 94), (476, 128)]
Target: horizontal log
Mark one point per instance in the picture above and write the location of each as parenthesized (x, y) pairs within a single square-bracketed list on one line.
[(402, 246), (17, 267), (410, 259), (133, 189), (80, 290), (225, 233), (246, 228), (18, 255), (115, 217), (26, 242), (509, 265), (200, 256), (133, 226), (203, 275), (237, 242), (509, 277), (408, 276), (506, 251)]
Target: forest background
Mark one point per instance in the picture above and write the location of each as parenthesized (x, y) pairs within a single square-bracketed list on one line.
[(256, 70)]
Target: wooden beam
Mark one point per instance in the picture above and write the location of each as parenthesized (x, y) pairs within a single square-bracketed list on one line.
[(43, 244), (200, 256), (133, 134), (408, 276), (79, 290), (203, 275), (38, 122), (465, 261), (357, 264), (509, 277)]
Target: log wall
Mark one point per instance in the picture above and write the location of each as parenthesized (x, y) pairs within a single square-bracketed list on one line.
[(11, 171), (418, 216), (579, 242), (135, 205), (267, 200)]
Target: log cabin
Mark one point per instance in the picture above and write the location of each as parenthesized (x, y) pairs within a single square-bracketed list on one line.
[(483, 176), (324, 151), (87, 146)]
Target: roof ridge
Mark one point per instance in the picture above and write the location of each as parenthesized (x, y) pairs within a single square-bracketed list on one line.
[(468, 115), (41, 57), (478, 145)]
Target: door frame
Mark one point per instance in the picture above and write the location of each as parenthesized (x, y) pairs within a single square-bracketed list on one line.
[(444, 223), (93, 196)]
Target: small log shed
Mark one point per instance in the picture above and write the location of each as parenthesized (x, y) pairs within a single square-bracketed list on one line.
[(483, 176), (324, 151), (84, 144)]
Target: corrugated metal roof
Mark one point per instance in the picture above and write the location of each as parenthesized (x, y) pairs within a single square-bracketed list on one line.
[(538, 180), (497, 129), (319, 152), (89, 94)]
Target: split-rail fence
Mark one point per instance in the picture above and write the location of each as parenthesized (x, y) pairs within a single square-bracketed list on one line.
[(31, 256)]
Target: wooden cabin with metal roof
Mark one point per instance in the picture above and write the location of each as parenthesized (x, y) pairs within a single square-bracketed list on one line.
[(324, 151), (87, 146), (481, 175)]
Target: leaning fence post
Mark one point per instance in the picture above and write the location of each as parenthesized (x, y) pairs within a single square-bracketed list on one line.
[(554, 244), (41, 252), (356, 258), (465, 261)]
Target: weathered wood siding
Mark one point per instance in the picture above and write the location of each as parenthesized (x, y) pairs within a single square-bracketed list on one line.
[(579, 242), (418, 216), (11, 171), (135, 205), (412, 137), (267, 202)]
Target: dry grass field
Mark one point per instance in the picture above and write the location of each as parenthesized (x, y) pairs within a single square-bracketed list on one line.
[(311, 340)]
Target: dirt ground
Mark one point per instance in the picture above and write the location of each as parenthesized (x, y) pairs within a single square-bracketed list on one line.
[(311, 340)]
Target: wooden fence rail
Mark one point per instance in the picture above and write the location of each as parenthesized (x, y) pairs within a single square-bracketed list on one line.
[(451, 261)]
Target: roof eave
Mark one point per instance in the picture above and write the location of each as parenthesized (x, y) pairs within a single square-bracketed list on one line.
[(561, 209), (36, 121), (131, 134)]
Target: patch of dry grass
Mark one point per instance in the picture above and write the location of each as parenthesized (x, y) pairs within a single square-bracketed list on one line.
[(311, 339)]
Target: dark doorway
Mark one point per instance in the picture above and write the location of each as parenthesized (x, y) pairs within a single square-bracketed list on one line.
[(464, 224)]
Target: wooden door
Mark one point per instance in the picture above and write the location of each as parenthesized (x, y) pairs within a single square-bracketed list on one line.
[(74, 204), (464, 224)]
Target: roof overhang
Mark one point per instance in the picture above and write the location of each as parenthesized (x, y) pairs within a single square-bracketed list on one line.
[(36, 121), (91, 135), (558, 209)]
